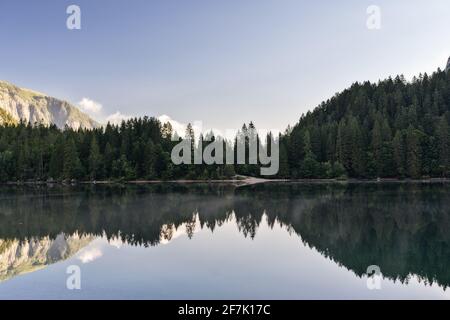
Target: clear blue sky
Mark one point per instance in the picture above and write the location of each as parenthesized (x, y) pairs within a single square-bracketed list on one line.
[(222, 62)]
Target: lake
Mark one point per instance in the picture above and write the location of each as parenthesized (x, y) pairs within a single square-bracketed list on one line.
[(219, 241)]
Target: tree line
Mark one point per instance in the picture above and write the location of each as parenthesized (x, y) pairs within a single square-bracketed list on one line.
[(138, 148), (393, 128)]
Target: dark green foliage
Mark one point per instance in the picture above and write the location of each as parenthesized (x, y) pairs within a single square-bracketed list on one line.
[(390, 129), (137, 149), (94, 159), (71, 162)]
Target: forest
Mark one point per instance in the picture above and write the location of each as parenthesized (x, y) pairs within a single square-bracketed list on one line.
[(393, 128), (390, 129)]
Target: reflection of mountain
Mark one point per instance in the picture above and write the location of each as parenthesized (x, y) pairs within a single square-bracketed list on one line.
[(403, 228), (23, 256)]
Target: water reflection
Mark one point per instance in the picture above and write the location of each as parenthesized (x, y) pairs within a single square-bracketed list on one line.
[(403, 228), (23, 256)]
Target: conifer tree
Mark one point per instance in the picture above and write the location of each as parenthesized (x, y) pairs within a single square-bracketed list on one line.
[(72, 166), (94, 160)]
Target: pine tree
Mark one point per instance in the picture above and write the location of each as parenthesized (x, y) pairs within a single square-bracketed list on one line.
[(57, 159), (443, 137), (356, 145), (342, 150), (377, 143), (167, 131), (310, 166), (94, 160), (399, 150), (295, 152), (283, 170), (413, 153), (108, 157), (72, 166)]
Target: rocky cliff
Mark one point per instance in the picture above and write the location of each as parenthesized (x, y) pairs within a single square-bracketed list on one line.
[(6, 118), (22, 104)]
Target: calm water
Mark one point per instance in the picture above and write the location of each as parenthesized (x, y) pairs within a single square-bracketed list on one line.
[(268, 241)]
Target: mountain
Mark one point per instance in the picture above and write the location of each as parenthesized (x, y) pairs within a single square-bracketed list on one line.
[(6, 118), (448, 65), (22, 104)]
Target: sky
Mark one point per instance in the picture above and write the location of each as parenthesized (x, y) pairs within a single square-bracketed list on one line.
[(219, 62)]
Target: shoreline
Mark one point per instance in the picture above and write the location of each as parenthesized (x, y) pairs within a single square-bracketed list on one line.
[(239, 182)]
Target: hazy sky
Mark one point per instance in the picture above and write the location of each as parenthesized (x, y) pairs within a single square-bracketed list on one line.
[(221, 62)]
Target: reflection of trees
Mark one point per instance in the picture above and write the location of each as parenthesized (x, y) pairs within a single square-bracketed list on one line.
[(403, 228), (133, 214)]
